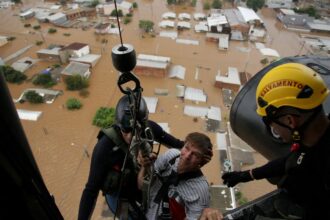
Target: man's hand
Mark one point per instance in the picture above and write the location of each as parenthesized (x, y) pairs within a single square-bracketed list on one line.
[(211, 214), (146, 161)]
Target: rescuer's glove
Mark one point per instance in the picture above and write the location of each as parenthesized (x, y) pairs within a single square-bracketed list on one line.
[(232, 178)]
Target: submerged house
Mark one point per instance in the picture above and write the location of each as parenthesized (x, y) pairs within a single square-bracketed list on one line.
[(230, 81), (74, 50), (75, 68), (150, 65)]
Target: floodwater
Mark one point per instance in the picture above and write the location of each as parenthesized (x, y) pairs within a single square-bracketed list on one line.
[(60, 138)]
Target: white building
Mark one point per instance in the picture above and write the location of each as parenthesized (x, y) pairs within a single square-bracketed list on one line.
[(279, 3)]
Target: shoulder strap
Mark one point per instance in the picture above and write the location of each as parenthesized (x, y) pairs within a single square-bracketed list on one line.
[(112, 133)]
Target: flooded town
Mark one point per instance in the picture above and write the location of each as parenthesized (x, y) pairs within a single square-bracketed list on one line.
[(191, 63)]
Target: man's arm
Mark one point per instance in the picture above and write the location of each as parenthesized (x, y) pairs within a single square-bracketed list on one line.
[(163, 137), (211, 214)]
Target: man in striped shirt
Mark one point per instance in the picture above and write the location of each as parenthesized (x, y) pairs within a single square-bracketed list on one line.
[(179, 190)]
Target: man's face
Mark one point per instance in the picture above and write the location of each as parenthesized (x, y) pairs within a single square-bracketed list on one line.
[(190, 158), (281, 132)]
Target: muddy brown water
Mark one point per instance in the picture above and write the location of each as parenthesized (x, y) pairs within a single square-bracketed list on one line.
[(59, 138)]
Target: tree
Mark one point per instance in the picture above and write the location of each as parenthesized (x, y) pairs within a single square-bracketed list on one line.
[(216, 4), (44, 80), (73, 104), (94, 3), (114, 13), (11, 75), (146, 25), (171, 2), (206, 6), (135, 5), (33, 97), (76, 82), (255, 4), (52, 30), (104, 117)]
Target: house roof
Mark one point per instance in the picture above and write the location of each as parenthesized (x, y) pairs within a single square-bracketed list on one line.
[(23, 64), (166, 23), (28, 115), (321, 26), (170, 34), (195, 111), (187, 41), (184, 24), (199, 16), (177, 71), (214, 113), (224, 41), (287, 11), (248, 14), (221, 141), (76, 68), (232, 78), (56, 16), (169, 15), (88, 58), (75, 46), (195, 94), (151, 103), (101, 26), (269, 52), (201, 27), (53, 51), (234, 17), (158, 62), (183, 16), (216, 19)]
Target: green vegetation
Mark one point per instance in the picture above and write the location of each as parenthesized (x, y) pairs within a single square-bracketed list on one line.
[(135, 5), (27, 25), (56, 65), (94, 3), (264, 61), (255, 4), (76, 82), (11, 38), (146, 25), (241, 200), (127, 20), (67, 34), (216, 4), (36, 27), (39, 42), (11, 75), (33, 97), (52, 30), (171, 2), (73, 104), (193, 3), (129, 15), (104, 117), (114, 13), (44, 80), (311, 11), (206, 6)]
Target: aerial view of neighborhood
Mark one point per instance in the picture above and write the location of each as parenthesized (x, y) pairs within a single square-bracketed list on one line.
[(192, 58)]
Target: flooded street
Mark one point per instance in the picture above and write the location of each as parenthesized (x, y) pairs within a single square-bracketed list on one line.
[(60, 137)]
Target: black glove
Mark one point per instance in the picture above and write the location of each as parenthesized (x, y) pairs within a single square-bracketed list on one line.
[(232, 178)]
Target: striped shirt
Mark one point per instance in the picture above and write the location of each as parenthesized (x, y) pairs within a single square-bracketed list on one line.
[(192, 193)]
